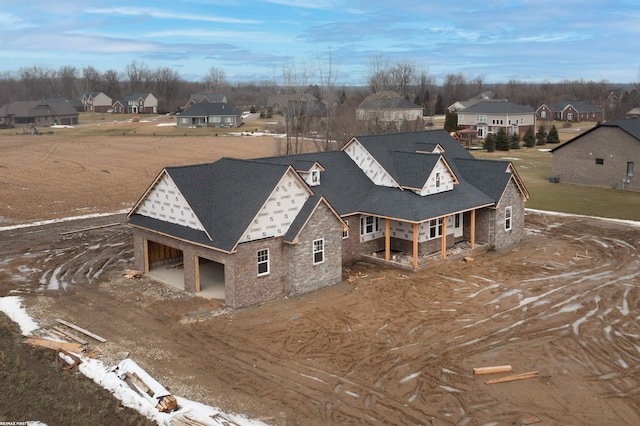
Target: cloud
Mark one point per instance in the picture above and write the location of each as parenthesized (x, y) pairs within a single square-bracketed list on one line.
[(161, 14)]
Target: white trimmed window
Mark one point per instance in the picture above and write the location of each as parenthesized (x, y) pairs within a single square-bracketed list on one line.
[(318, 251), (435, 228), (263, 262), (345, 231), (369, 225), (508, 212)]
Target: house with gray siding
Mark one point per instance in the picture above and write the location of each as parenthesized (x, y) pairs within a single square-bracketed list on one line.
[(282, 225), (489, 116), (30, 114), (210, 114), (604, 156)]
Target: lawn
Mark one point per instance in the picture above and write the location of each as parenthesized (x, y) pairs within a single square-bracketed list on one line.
[(534, 166)]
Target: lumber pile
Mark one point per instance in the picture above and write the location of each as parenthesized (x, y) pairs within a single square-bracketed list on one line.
[(146, 386), (132, 273), (504, 369)]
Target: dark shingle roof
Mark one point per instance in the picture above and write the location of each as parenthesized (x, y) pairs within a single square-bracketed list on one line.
[(205, 109), (228, 194), (493, 107), (629, 125)]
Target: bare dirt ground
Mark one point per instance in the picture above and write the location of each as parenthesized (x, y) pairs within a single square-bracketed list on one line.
[(383, 347)]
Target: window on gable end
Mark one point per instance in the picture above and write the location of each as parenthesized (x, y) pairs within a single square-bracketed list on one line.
[(437, 179), (318, 251), (508, 220), (263, 262)]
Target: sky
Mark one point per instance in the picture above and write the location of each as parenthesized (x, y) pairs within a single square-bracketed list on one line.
[(262, 41)]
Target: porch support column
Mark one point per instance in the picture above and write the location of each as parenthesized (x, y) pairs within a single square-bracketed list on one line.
[(387, 240), (197, 273), (145, 251), (443, 237), (415, 246), (472, 237)]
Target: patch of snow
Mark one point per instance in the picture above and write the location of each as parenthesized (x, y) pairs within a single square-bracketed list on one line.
[(105, 377)]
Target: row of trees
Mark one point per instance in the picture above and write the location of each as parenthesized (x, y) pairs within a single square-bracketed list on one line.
[(501, 142)]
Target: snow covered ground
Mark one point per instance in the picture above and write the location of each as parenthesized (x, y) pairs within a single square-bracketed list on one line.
[(105, 377)]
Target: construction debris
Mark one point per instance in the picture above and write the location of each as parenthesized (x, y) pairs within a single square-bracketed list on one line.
[(76, 360), (82, 330), (53, 344), (69, 335), (468, 259), (133, 273), (146, 386), (513, 377), (492, 370)]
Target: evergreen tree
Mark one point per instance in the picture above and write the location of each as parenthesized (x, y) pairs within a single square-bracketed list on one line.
[(440, 105), (490, 143), (451, 121), (501, 140), (552, 136), (529, 138), (541, 136), (515, 141)]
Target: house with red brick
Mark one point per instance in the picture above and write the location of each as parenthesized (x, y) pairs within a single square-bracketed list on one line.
[(574, 111), (254, 230)]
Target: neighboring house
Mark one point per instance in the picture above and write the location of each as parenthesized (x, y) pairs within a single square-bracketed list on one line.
[(633, 113), (96, 102), (297, 105), (388, 107), (205, 114), (484, 96), (138, 103), (604, 156), (490, 116), (196, 98), (253, 230), (570, 111), (38, 114), (76, 104)]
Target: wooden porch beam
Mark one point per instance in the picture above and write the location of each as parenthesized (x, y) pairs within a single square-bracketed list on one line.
[(473, 229), (196, 267), (387, 240), (145, 255), (443, 238), (415, 246)]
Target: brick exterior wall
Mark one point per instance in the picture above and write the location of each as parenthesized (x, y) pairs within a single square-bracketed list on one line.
[(576, 162), (304, 276)]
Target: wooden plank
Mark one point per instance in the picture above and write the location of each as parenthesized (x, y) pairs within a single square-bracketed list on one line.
[(70, 335), (513, 377), (53, 344), (492, 370), (81, 330)]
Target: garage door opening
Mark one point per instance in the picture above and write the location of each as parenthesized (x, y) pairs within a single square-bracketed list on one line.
[(166, 264), (211, 276)]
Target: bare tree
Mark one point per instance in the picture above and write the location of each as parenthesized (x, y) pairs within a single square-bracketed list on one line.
[(215, 81), (327, 76), (138, 76), (39, 82), (68, 79), (295, 120), (401, 77), (91, 80), (167, 82), (112, 84), (454, 88), (379, 74)]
